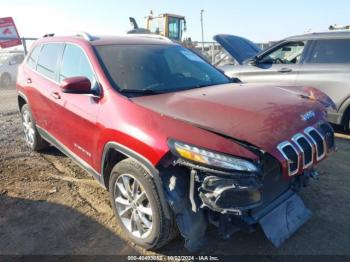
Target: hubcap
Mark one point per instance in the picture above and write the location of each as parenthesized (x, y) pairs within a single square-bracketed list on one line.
[(28, 128), (133, 206)]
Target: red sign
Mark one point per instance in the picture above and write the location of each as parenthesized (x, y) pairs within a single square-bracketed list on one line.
[(8, 33)]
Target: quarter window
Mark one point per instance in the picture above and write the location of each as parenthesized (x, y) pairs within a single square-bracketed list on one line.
[(330, 51), (75, 63), (47, 63)]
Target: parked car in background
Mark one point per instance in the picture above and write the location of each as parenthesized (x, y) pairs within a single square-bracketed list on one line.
[(9, 63), (176, 143), (321, 60)]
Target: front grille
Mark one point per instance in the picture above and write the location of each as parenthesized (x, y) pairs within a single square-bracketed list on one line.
[(318, 140), (274, 185), (291, 154), (328, 133), (307, 146)]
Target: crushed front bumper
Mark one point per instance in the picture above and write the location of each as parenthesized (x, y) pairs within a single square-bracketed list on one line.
[(235, 203), (282, 217)]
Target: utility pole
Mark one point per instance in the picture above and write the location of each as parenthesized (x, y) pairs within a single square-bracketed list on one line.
[(202, 11)]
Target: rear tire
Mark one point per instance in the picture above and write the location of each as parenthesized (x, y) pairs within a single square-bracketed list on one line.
[(137, 206), (32, 137)]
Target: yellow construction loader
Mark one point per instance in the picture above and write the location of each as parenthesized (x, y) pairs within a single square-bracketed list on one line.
[(169, 25)]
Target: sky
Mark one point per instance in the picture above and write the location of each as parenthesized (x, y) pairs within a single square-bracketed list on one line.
[(259, 21)]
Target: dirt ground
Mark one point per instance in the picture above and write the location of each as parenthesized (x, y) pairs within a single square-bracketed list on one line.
[(48, 205)]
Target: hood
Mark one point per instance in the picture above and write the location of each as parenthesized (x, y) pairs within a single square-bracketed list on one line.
[(260, 115), (238, 47)]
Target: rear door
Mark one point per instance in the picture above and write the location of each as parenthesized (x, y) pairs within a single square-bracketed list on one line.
[(327, 67), (80, 111), (43, 90), (278, 65)]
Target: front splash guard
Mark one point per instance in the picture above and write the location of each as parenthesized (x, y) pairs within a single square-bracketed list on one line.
[(286, 218)]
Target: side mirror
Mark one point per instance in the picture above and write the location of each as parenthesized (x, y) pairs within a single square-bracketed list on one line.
[(253, 61), (76, 85)]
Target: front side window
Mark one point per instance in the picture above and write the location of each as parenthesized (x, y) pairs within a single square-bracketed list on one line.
[(330, 51), (289, 53), (75, 63), (157, 68), (33, 58), (48, 60)]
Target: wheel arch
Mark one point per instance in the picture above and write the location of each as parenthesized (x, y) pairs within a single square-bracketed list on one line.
[(114, 152), (21, 100), (345, 110)]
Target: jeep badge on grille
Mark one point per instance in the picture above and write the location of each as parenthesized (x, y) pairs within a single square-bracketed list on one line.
[(308, 115)]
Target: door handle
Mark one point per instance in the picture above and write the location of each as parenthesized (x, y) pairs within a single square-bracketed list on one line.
[(285, 70), (29, 80), (55, 95)]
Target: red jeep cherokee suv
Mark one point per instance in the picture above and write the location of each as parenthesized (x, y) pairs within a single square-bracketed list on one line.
[(178, 144)]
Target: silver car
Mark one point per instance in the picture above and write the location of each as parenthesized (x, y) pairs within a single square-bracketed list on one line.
[(9, 63), (321, 60)]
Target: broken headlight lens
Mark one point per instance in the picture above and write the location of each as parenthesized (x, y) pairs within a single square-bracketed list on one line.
[(211, 158)]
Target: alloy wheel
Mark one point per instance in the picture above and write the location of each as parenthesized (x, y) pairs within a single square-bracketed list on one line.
[(133, 206), (29, 131)]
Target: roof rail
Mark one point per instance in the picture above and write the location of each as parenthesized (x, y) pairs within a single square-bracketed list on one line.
[(48, 35), (86, 36), (160, 37)]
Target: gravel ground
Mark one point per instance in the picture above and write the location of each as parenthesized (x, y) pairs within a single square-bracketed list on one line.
[(48, 205)]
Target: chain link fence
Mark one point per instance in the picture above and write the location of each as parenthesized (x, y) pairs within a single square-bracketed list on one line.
[(10, 59), (217, 55)]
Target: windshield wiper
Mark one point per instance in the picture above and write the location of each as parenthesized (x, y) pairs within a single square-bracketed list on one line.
[(140, 91)]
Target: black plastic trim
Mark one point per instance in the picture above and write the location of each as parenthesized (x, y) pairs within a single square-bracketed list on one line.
[(48, 137), (152, 171)]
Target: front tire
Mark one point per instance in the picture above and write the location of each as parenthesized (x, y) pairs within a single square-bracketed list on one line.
[(347, 123), (31, 134), (137, 207)]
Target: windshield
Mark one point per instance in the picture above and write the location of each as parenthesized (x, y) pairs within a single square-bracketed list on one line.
[(150, 69)]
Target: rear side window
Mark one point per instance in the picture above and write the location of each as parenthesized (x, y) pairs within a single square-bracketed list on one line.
[(330, 51), (75, 63), (47, 63), (33, 58)]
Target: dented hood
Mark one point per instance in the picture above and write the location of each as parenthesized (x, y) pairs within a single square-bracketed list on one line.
[(260, 115)]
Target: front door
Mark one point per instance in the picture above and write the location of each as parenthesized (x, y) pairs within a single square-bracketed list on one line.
[(280, 65), (43, 89), (81, 110)]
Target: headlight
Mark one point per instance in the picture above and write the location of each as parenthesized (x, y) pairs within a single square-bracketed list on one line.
[(210, 158)]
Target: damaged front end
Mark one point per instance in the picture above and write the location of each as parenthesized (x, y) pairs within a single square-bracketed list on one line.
[(205, 188)]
